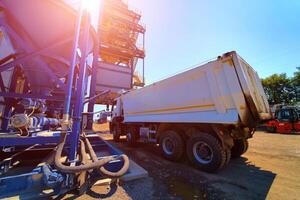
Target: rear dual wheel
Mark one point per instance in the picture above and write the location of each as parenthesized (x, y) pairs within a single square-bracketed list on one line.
[(171, 145), (240, 147), (206, 152), (132, 136), (228, 156), (203, 150), (117, 132)]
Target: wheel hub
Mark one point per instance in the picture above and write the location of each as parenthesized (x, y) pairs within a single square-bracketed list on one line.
[(202, 152), (168, 146)]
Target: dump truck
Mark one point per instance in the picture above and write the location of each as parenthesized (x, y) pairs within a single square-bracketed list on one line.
[(207, 113)]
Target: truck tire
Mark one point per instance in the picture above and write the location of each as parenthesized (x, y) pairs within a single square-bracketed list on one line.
[(132, 136), (116, 131), (205, 152), (228, 156), (240, 146), (171, 145), (246, 146)]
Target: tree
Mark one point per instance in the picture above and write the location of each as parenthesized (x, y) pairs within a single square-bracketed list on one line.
[(296, 84), (281, 89), (296, 77), (278, 89)]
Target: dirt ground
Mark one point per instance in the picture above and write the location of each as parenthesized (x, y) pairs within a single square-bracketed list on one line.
[(269, 170)]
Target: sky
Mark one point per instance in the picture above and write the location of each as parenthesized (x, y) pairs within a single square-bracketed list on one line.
[(184, 33)]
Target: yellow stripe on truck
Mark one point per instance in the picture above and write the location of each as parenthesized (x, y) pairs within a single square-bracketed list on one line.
[(173, 109)]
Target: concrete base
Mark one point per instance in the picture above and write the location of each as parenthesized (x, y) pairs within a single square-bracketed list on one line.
[(134, 172)]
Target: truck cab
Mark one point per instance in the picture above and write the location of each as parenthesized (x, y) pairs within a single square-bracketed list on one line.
[(117, 128)]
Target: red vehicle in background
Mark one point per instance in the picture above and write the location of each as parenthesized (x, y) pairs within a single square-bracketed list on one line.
[(286, 120)]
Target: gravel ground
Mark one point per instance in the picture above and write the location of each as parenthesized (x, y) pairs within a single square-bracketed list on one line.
[(269, 170)]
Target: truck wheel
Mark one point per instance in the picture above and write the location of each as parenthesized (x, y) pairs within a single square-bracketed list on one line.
[(240, 146), (228, 156), (116, 131), (171, 145), (205, 152), (132, 136), (246, 146)]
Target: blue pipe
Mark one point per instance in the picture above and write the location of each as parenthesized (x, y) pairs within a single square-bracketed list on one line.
[(73, 62), (80, 91), (93, 87), (93, 84)]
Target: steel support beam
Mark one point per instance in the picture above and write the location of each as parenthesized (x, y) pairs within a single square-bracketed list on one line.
[(30, 55), (27, 48)]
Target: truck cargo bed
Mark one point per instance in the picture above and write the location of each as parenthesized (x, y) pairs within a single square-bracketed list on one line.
[(226, 90)]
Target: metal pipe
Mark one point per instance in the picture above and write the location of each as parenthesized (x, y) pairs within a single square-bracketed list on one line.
[(93, 82), (94, 112), (94, 97), (73, 63), (80, 90), (96, 55)]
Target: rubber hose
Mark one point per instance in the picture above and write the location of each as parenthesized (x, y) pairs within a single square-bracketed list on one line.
[(84, 156), (119, 173), (75, 169), (104, 171)]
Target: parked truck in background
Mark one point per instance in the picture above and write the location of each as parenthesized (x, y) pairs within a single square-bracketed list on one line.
[(207, 113)]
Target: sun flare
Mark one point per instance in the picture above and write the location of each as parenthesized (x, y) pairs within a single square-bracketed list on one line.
[(91, 5)]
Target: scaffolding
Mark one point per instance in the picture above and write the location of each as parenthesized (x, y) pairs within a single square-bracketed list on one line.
[(119, 33)]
